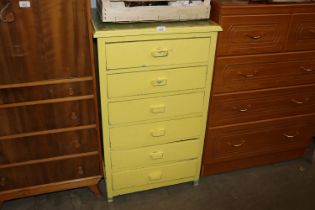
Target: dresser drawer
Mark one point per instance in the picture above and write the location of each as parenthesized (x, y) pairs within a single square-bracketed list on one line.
[(48, 172), (153, 175), (150, 156), (244, 107), (235, 142), (154, 108), (302, 34), (252, 34), (138, 83), (47, 146), (154, 133), (42, 117), (263, 71), (44, 92), (157, 53)]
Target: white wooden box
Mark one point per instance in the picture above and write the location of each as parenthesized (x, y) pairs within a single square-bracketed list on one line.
[(143, 10)]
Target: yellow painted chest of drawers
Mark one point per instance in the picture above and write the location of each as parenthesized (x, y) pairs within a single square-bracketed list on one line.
[(155, 84)]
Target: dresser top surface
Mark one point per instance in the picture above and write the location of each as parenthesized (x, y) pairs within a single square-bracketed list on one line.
[(243, 7), (252, 4), (146, 28)]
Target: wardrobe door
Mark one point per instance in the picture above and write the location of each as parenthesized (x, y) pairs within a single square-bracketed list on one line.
[(43, 40)]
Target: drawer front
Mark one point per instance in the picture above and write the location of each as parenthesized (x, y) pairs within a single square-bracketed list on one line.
[(244, 107), (150, 156), (302, 34), (47, 146), (49, 172), (157, 53), (154, 133), (139, 83), (154, 108), (153, 175), (257, 72), (257, 139), (44, 92), (46, 116), (252, 34)]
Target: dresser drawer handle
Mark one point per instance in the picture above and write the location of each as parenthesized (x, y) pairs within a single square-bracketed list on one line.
[(80, 170), (306, 69), (158, 132), (71, 91), (254, 37), (160, 52), (3, 181), (291, 136), (243, 109), (312, 31), (159, 82), (155, 176), (237, 145), (247, 75), (76, 143), (74, 116), (299, 102), (156, 155), (157, 109)]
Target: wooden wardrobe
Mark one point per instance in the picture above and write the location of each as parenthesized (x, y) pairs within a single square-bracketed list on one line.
[(49, 132)]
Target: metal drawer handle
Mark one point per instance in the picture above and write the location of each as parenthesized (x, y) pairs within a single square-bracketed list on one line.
[(156, 155), (158, 132), (160, 52), (159, 82), (237, 145), (157, 109), (299, 102), (306, 69), (244, 109), (291, 136), (3, 181), (247, 75), (254, 37), (155, 176)]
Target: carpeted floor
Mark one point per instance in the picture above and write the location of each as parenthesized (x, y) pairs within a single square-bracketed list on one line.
[(288, 186)]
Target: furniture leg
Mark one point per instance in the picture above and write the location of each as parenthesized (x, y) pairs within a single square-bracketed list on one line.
[(96, 190)]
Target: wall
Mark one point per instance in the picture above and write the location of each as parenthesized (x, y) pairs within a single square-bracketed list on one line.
[(93, 3)]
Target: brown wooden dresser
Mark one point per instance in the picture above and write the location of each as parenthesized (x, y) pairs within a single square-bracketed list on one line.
[(262, 108), (49, 132)]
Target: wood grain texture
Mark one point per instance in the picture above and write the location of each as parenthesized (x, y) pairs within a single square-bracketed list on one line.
[(46, 41), (249, 140), (252, 34), (51, 187), (49, 140), (302, 35), (241, 107), (44, 92), (51, 145), (46, 116), (220, 167), (257, 72), (261, 108), (49, 172)]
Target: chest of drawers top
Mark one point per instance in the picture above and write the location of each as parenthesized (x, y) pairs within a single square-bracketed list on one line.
[(260, 28)]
